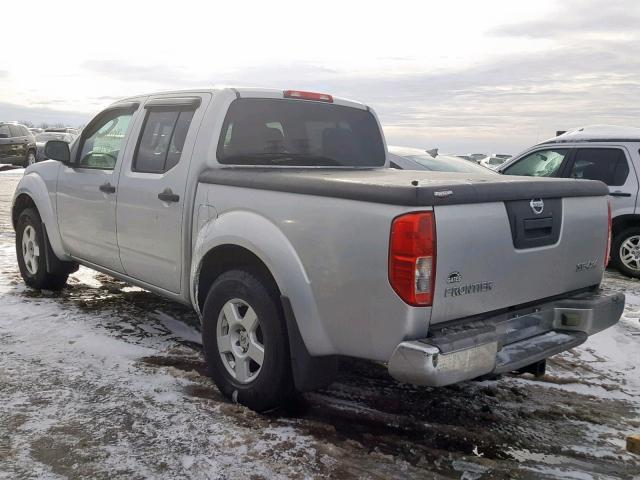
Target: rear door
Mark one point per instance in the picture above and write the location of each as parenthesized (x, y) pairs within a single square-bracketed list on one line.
[(152, 189), (612, 165)]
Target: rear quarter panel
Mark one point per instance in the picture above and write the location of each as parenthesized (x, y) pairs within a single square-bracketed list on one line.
[(342, 247)]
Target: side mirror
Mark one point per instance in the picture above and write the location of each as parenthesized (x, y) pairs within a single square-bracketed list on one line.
[(58, 150)]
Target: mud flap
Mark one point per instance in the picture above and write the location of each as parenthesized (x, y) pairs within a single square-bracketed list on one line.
[(309, 373), (54, 264)]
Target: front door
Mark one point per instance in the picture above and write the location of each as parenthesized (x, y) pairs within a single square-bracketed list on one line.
[(86, 197), (152, 190)]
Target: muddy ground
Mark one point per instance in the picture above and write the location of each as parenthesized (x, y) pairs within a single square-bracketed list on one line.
[(106, 380)]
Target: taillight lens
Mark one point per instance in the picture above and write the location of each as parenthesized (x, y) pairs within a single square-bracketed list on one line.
[(300, 95), (607, 255), (412, 257)]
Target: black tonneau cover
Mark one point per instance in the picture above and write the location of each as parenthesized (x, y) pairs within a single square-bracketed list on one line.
[(402, 187)]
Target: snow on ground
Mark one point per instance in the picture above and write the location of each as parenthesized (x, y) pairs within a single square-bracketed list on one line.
[(105, 379)]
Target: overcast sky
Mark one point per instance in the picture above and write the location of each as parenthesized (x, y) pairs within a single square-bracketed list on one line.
[(465, 76)]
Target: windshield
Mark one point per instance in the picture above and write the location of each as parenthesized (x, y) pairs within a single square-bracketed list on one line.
[(261, 131), (45, 137), (443, 163)]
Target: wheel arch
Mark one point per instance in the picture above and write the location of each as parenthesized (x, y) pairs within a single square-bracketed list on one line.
[(622, 222), (32, 192), (244, 238)]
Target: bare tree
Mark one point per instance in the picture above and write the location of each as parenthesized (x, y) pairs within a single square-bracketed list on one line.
[(59, 125), (44, 125), (27, 123)]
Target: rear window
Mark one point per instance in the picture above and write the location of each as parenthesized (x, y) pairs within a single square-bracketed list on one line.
[(261, 131)]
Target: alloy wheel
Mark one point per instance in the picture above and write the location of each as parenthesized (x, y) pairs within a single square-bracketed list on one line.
[(240, 340), (630, 252), (30, 249)]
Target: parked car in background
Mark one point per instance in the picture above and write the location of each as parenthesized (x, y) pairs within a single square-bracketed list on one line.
[(43, 138), (405, 158), (36, 130), (493, 162), (72, 131), (599, 152), (17, 144)]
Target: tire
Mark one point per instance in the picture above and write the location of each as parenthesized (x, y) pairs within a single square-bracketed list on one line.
[(625, 252), (232, 336), (30, 159), (30, 250)]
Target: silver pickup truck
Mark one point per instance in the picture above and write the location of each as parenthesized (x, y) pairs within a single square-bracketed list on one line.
[(275, 216)]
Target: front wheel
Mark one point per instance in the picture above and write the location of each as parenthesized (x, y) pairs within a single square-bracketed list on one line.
[(625, 252), (30, 250), (245, 340)]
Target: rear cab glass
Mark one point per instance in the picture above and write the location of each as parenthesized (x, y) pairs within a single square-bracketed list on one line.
[(283, 132)]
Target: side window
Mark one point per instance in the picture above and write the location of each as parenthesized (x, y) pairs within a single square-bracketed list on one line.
[(104, 140), (609, 165), (4, 131), (162, 140), (543, 163)]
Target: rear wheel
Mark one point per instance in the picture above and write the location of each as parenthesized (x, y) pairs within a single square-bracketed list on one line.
[(30, 250), (625, 252), (245, 340)]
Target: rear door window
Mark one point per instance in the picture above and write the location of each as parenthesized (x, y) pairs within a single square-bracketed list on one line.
[(609, 165), (261, 131), (543, 163), (162, 140)]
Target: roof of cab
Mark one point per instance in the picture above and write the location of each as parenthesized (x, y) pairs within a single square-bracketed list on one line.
[(598, 133), (240, 92)]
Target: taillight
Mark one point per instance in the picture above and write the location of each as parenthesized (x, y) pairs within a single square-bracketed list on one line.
[(318, 97), (607, 255), (412, 257)]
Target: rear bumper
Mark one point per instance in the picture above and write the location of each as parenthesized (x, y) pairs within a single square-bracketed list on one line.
[(506, 342)]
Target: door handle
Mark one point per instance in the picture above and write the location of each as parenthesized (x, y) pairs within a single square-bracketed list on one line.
[(168, 196), (619, 194), (107, 188)]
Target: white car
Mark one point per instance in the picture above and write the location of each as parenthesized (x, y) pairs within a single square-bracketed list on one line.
[(493, 162)]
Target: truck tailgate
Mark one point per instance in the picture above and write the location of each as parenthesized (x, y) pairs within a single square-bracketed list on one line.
[(500, 254)]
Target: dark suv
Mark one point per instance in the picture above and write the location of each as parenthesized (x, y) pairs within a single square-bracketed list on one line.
[(17, 144)]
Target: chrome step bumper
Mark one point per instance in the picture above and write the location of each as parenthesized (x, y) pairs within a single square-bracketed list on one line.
[(503, 344)]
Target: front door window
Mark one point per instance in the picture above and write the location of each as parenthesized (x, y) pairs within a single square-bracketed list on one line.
[(105, 139), (543, 163)]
